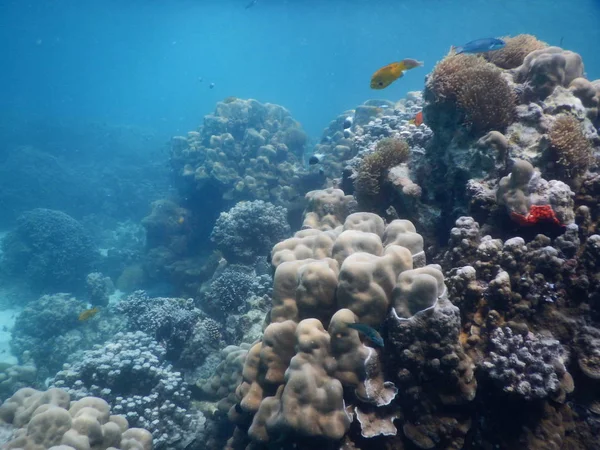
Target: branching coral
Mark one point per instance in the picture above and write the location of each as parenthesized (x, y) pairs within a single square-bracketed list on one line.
[(476, 89), (389, 153), (515, 51), (570, 149)]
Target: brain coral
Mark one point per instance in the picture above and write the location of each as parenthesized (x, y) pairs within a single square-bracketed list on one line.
[(50, 251)]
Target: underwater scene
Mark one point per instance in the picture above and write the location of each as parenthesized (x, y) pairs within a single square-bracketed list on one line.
[(300, 224)]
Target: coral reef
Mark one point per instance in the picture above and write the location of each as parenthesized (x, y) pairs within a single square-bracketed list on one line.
[(466, 90), (131, 374), (389, 153), (48, 419), (546, 69), (527, 365), (48, 250), (249, 230), (245, 150), (231, 287), (99, 288), (16, 376), (312, 375), (548, 127), (48, 331), (170, 321), (514, 52), (570, 150), (526, 307)]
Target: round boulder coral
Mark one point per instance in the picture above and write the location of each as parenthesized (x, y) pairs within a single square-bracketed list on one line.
[(49, 250), (249, 230)]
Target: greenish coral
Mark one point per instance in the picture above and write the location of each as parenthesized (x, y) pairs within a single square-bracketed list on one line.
[(374, 167), (570, 150), (476, 90)]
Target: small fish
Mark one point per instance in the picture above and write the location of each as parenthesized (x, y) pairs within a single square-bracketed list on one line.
[(88, 313), (251, 4), (315, 159), (369, 332), (480, 46), (390, 73), (181, 220), (418, 119), (348, 122), (211, 85)]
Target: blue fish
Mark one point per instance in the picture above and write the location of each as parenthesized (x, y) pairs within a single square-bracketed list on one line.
[(368, 331), (481, 46)]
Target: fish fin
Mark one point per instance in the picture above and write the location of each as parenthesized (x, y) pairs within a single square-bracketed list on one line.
[(458, 50)]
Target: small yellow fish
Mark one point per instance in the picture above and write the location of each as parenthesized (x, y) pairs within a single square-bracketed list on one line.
[(390, 73), (88, 313), (181, 220)]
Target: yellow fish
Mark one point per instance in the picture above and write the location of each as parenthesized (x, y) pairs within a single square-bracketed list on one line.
[(390, 73), (88, 313)]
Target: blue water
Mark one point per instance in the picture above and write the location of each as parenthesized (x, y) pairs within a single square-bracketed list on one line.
[(139, 62)]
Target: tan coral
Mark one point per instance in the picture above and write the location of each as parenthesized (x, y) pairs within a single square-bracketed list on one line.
[(417, 290), (512, 189), (326, 209), (265, 366), (366, 282), (545, 69), (303, 289), (349, 351), (403, 233), (365, 222), (312, 402), (305, 244), (353, 241), (87, 425)]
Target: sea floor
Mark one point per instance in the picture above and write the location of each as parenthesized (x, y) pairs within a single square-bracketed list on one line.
[(7, 321)]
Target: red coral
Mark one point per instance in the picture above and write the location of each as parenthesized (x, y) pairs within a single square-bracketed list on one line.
[(536, 214)]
